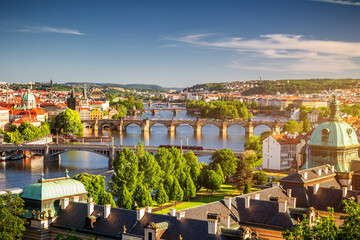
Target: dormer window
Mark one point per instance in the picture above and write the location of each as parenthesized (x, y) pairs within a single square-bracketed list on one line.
[(325, 135)]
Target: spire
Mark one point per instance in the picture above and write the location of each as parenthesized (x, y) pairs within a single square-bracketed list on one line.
[(334, 108), (84, 93), (72, 93)]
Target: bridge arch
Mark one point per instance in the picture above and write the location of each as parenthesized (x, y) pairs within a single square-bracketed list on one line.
[(104, 153), (133, 124), (236, 128), (158, 124), (208, 126), (260, 128), (110, 125), (186, 125)]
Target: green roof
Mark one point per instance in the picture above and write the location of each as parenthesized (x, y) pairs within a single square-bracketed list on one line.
[(28, 96), (50, 189)]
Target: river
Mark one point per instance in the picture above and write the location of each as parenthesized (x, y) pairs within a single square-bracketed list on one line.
[(17, 174)]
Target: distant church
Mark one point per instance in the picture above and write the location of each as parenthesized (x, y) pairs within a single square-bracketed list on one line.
[(76, 103), (333, 142)]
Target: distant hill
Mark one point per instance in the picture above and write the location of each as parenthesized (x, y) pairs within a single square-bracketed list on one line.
[(129, 86), (301, 86)]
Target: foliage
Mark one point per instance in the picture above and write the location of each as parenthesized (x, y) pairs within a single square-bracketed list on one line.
[(254, 159), (122, 111), (260, 177), (26, 132), (220, 109), (11, 225), (150, 169), (140, 149), (189, 188), (247, 188), (68, 122), (353, 110), (142, 196), (68, 236), (176, 193), (124, 198), (243, 172), (292, 126), (95, 186), (226, 159), (217, 168), (253, 143), (265, 135), (350, 229), (212, 180), (300, 86), (192, 166), (161, 197)]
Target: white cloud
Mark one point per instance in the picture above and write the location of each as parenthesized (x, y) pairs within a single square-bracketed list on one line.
[(343, 2), (284, 52), (44, 29)]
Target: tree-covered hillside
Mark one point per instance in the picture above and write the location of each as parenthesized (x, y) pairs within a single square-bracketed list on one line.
[(302, 86)]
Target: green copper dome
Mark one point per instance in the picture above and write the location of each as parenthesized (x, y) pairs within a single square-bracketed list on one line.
[(51, 189), (334, 132), (28, 96)]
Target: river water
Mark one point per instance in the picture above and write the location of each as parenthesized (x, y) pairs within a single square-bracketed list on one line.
[(17, 174)]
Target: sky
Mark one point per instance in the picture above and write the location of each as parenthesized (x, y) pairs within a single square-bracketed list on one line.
[(178, 43)]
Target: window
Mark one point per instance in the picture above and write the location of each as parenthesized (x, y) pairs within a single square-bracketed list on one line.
[(325, 135), (150, 235)]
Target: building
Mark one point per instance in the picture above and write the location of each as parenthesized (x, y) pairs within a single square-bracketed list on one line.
[(310, 103), (28, 100), (4, 118), (73, 102), (97, 94), (280, 150), (313, 116), (96, 114), (333, 142)]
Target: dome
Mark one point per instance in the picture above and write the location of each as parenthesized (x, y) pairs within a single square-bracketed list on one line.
[(54, 188), (28, 96), (334, 132)]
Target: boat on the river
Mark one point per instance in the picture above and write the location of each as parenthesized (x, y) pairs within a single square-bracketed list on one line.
[(11, 156)]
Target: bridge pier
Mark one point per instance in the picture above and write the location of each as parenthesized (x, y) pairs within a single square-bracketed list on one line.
[(145, 126), (171, 128), (175, 113), (112, 156), (223, 130), (198, 129), (249, 131), (276, 129), (153, 112)]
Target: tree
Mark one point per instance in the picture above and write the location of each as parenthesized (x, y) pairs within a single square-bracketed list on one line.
[(142, 196), (260, 177), (151, 170), (244, 172), (121, 110), (247, 188), (265, 135), (254, 159), (253, 143), (125, 171), (227, 161), (350, 229), (140, 149), (124, 198), (292, 126), (189, 188), (11, 224), (176, 193), (306, 125), (68, 122), (95, 186), (165, 161), (217, 168), (192, 165), (161, 197), (212, 180)]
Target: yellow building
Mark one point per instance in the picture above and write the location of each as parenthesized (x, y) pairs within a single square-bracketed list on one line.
[(96, 114)]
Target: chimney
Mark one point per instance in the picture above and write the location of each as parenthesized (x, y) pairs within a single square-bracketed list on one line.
[(74, 198), (326, 170), (256, 196), (316, 188), (148, 209), (180, 215), (350, 187), (344, 191), (288, 191), (282, 205), (358, 198), (107, 210), (227, 201), (318, 171), (212, 227), (225, 221), (275, 184), (140, 212), (304, 175), (90, 206), (332, 168), (64, 202), (247, 201), (172, 212), (292, 202)]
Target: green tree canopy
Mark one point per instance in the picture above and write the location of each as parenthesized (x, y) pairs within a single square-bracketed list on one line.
[(176, 193), (253, 143), (247, 188), (142, 196), (11, 224), (260, 177), (292, 126), (124, 198), (189, 188), (192, 165), (217, 168), (68, 122), (226, 159), (151, 170), (161, 197), (243, 172), (95, 186), (306, 125), (212, 180)]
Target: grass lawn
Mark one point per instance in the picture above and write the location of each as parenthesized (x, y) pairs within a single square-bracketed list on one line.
[(226, 189)]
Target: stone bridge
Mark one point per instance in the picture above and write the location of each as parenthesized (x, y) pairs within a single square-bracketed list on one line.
[(171, 125), (153, 111), (110, 151), (168, 104)]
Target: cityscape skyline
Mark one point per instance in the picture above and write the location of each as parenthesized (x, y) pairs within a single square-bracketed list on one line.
[(178, 44)]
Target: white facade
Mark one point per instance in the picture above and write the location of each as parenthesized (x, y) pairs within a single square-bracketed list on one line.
[(271, 154)]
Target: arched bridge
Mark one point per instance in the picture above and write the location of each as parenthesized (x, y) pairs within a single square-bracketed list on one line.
[(171, 125)]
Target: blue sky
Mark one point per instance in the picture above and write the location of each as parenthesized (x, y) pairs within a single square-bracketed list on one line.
[(178, 43)]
